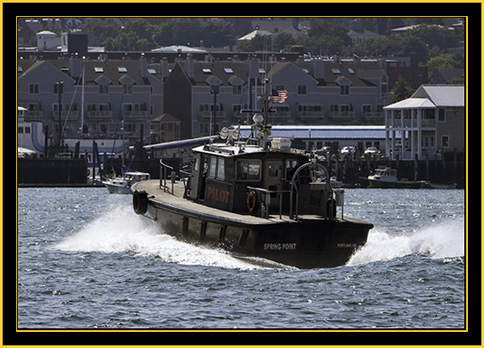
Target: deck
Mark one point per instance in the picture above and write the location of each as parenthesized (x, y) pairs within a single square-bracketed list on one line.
[(175, 201)]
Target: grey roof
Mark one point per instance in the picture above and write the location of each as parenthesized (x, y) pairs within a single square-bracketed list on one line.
[(411, 103), (179, 49), (432, 96), (442, 95)]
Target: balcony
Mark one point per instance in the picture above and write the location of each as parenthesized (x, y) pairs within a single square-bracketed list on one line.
[(310, 115), (67, 115), (99, 115), (407, 123), (374, 117), (345, 115), (208, 114), (134, 116), (33, 116)]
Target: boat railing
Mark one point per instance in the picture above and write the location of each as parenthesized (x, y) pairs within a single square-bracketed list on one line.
[(266, 201), (314, 184), (163, 175), (182, 175)]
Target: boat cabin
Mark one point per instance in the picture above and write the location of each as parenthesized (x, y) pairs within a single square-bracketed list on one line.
[(384, 174), (257, 180)]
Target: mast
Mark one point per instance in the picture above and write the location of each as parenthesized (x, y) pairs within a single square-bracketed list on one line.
[(266, 128), (82, 103)]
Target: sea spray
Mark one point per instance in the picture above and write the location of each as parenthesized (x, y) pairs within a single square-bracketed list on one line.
[(120, 230), (445, 239)]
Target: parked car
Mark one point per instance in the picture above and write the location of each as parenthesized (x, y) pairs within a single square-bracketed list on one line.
[(348, 150), (372, 151)]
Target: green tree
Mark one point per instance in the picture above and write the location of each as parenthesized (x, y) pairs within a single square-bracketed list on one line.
[(137, 35), (192, 31), (216, 33), (402, 90), (443, 61), (100, 29), (328, 37)]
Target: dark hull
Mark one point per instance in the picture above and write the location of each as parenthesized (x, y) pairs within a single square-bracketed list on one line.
[(306, 243), (399, 184)]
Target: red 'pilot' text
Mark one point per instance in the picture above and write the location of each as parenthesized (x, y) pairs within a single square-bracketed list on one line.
[(217, 195)]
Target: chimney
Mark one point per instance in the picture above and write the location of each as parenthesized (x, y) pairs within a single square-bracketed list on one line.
[(316, 67), (75, 66), (188, 66), (381, 63), (143, 66), (165, 72)]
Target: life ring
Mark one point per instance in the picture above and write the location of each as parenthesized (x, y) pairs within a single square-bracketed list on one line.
[(140, 202), (252, 201)]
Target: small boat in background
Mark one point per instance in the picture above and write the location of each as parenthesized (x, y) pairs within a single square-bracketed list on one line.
[(122, 185), (386, 177)]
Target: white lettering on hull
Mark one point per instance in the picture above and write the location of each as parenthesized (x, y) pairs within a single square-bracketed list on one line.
[(280, 246)]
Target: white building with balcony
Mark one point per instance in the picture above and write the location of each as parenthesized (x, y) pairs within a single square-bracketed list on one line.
[(432, 121)]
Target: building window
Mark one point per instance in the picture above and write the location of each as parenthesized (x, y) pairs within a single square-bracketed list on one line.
[(366, 108), (237, 90), (103, 89), (204, 128), (445, 141), (344, 90), (301, 89), (345, 108), (127, 89), (34, 89), (441, 115)]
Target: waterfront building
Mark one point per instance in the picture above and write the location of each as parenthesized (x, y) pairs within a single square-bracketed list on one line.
[(319, 92), (174, 97), (97, 98), (432, 121)]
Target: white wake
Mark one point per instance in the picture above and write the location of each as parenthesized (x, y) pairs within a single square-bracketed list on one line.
[(443, 240), (120, 230)]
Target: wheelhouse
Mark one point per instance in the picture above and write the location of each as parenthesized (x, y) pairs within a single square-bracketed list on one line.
[(252, 180)]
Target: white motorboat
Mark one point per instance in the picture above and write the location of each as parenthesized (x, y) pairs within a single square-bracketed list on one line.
[(122, 185)]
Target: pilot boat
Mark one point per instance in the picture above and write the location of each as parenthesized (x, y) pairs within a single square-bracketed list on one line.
[(257, 198)]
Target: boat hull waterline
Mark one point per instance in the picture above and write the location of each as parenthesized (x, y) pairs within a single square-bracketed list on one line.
[(308, 242)]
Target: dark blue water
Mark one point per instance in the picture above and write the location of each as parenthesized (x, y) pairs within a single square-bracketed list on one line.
[(86, 260)]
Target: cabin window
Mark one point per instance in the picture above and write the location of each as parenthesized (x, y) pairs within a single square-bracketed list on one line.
[(249, 170), (213, 167), (291, 166), (221, 169), (217, 168), (196, 163)]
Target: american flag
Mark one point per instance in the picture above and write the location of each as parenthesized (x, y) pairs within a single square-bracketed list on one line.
[(279, 96)]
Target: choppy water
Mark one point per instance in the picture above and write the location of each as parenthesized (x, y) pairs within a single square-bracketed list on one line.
[(86, 260)]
